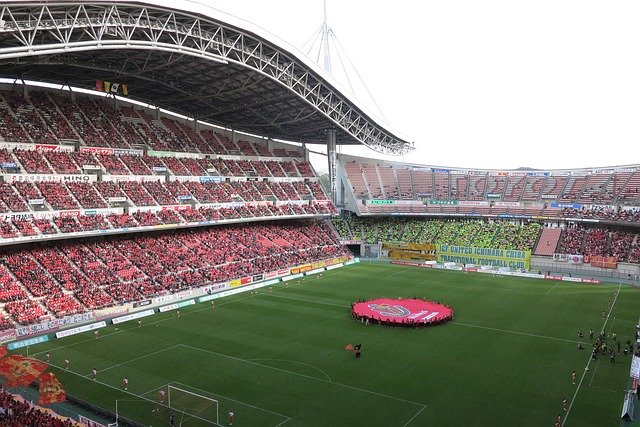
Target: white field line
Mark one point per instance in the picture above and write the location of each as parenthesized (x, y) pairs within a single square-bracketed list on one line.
[(133, 395), (138, 358), (234, 400), (511, 332), (414, 417), (302, 375), (589, 361), (452, 323)]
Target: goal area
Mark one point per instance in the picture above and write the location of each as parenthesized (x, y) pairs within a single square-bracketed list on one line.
[(192, 408)]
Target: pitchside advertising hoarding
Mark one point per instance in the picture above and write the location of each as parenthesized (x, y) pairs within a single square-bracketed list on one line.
[(484, 256)]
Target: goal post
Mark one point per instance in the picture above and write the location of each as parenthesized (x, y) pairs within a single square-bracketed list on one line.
[(189, 405)]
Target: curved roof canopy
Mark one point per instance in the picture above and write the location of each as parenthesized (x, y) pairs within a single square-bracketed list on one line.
[(194, 61)]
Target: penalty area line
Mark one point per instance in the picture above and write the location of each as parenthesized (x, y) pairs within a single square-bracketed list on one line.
[(414, 417), (220, 396), (302, 375), (140, 357)]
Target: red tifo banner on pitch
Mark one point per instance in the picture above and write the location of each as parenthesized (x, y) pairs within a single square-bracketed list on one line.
[(398, 310)]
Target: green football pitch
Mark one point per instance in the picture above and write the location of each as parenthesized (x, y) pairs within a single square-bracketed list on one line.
[(278, 358)]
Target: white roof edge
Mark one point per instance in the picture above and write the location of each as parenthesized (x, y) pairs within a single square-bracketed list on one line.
[(201, 8)]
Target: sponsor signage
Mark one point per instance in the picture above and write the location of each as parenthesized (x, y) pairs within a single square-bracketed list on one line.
[(130, 178), (162, 299), (80, 329), (494, 196), (29, 342), (132, 316), (22, 177), (443, 202), (301, 269), (295, 276), (90, 167), (566, 205), (473, 203), (186, 303), (538, 173), (159, 169), (7, 335), (168, 307), (127, 152), (185, 197), (53, 147), (507, 204), (144, 303), (117, 199), (97, 150), (36, 201), (439, 170), (110, 312), (379, 202), (184, 155), (483, 256), (51, 325), (7, 165)]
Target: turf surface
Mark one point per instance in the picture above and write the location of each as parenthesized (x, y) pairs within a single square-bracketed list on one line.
[(278, 358)]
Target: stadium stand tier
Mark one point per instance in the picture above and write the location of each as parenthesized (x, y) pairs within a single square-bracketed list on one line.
[(623, 244), (83, 165), (375, 187), (75, 277)]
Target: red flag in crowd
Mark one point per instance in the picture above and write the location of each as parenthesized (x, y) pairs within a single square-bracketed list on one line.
[(51, 390), (20, 370)]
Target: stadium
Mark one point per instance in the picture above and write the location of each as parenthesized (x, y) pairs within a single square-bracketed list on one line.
[(170, 256)]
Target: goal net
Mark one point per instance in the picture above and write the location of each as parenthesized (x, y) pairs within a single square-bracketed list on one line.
[(191, 408)]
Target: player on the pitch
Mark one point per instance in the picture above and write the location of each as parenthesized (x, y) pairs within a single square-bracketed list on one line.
[(159, 400)]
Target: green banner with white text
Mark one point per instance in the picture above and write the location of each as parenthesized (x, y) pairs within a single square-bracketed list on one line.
[(484, 256)]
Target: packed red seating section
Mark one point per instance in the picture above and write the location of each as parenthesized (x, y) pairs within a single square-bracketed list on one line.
[(578, 239), (73, 277), (76, 223), (18, 412), (47, 117), (73, 162)]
